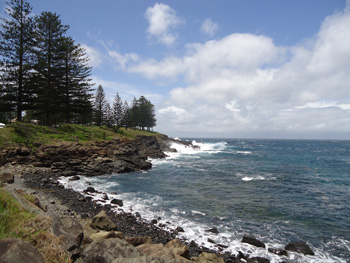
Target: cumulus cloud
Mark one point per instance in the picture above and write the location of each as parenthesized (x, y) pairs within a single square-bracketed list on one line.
[(244, 84), (162, 20), (209, 27)]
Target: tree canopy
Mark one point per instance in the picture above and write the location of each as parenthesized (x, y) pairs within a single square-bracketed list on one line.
[(45, 76)]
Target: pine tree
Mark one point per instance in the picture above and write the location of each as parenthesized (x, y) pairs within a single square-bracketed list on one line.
[(134, 118), (118, 110), (126, 115), (109, 118), (100, 106), (16, 52), (48, 68), (76, 85)]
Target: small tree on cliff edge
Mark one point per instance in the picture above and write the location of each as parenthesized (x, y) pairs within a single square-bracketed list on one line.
[(100, 104)]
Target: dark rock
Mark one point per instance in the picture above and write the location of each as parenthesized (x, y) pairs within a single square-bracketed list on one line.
[(253, 241), (154, 221), (74, 178), (279, 252), (213, 230), (40, 205), (211, 241), (137, 214), (300, 247), (15, 250), (194, 245), (7, 178), (258, 260), (90, 190), (105, 197), (179, 229), (117, 202), (222, 246)]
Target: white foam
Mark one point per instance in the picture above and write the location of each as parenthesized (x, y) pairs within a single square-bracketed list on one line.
[(147, 206), (256, 178)]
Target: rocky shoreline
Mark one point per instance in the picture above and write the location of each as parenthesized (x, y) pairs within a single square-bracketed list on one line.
[(41, 168)]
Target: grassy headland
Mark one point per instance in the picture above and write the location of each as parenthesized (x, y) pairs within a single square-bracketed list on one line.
[(28, 134)]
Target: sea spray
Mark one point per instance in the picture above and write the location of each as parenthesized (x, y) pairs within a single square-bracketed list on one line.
[(278, 191)]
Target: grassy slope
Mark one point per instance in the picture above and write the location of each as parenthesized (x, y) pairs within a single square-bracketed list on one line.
[(29, 134), (17, 222)]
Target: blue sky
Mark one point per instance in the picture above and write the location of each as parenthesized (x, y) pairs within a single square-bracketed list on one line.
[(224, 68)]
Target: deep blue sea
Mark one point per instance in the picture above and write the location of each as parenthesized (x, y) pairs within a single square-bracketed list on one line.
[(277, 190)]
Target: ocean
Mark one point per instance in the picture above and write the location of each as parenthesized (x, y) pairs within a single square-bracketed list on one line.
[(276, 190)]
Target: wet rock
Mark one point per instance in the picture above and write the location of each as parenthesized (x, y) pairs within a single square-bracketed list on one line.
[(7, 178), (74, 178), (154, 221), (258, 260), (118, 202), (211, 241), (279, 252), (89, 190), (213, 230), (16, 250), (253, 241), (102, 222), (300, 247), (179, 229), (107, 250)]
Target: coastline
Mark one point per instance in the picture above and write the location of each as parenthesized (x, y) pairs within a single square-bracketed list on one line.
[(44, 183)]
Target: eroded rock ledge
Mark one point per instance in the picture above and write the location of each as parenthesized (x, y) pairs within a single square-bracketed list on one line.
[(91, 159)]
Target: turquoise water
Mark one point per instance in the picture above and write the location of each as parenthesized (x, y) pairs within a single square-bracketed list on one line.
[(277, 190)]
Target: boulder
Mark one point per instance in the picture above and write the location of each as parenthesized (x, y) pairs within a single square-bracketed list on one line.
[(213, 230), (205, 257), (71, 233), (253, 241), (107, 250), (136, 241), (117, 202), (178, 248), (105, 235), (7, 178), (300, 247), (16, 250), (160, 251), (102, 222)]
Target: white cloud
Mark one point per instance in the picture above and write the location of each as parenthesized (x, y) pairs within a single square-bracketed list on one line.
[(162, 20), (126, 91), (209, 27), (243, 84), (95, 56)]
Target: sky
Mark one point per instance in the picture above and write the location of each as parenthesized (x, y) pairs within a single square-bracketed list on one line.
[(226, 68)]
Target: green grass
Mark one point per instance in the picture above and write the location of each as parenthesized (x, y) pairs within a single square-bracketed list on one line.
[(13, 217), (17, 222), (28, 134)]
